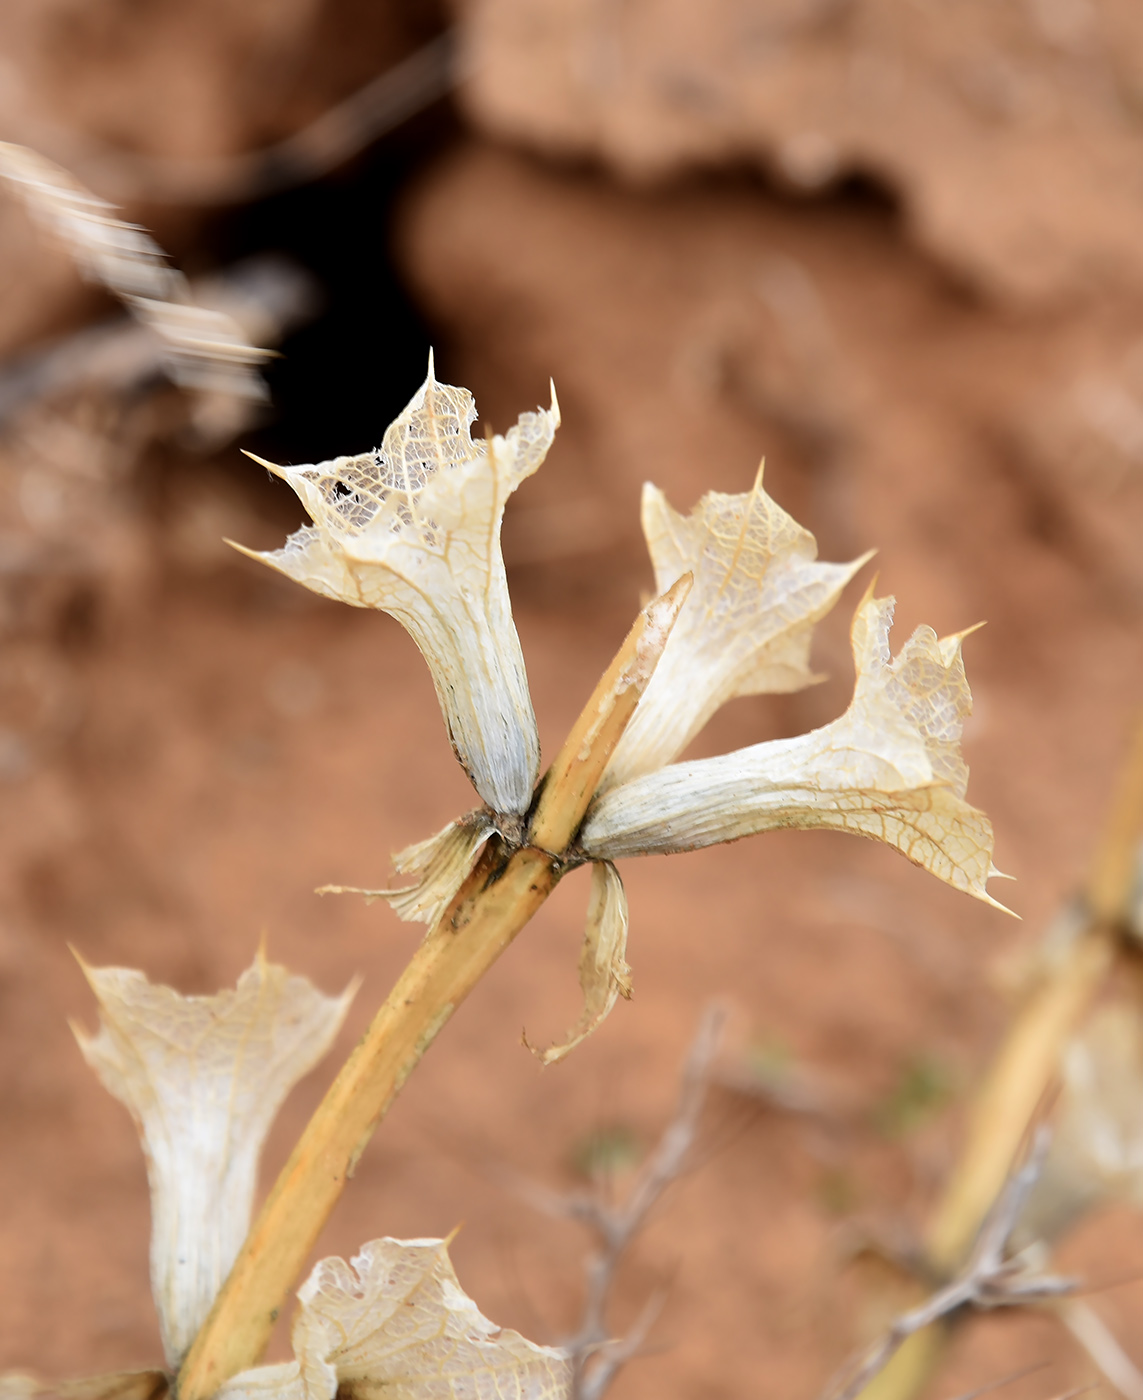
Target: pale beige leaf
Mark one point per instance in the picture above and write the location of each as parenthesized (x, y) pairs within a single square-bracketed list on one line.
[(413, 528), (1096, 1154), (440, 866), (746, 627), (889, 768), (603, 971), (396, 1325), (203, 1077)]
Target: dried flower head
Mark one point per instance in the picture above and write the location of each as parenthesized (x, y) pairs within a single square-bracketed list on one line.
[(889, 769), (204, 1078), (413, 528)]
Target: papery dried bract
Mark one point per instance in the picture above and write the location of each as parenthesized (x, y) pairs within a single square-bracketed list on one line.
[(889, 768), (1096, 1154), (203, 1078), (603, 971), (396, 1325), (414, 530), (747, 626), (441, 864)]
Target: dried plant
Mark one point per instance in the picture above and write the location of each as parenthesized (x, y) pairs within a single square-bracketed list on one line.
[(413, 529), (991, 1278), (596, 1355)]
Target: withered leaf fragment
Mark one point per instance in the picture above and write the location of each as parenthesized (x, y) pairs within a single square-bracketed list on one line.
[(1096, 1155), (603, 971), (413, 528), (889, 768), (439, 865), (747, 626), (203, 1077), (396, 1325)]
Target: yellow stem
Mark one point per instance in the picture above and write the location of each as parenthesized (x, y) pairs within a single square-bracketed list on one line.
[(1023, 1069), (575, 773), (493, 905)]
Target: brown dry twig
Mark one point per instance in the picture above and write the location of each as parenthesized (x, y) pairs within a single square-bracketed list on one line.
[(423, 77), (598, 1357), (991, 1278)]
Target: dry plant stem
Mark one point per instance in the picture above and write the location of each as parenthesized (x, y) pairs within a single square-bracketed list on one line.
[(597, 1357), (989, 1279), (1102, 1346), (493, 905), (571, 781), (1024, 1068)]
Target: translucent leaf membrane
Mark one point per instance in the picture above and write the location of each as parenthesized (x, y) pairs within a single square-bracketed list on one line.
[(413, 529), (396, 1325), (889, 768), (1096, 1154), (747, 626), (603, 972), (203, 1077), (439, 865)]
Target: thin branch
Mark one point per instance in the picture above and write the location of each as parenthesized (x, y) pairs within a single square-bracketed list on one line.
[(1102, 1346), (597, 1357), (990, 1278), (989, 1386), (383, 104)]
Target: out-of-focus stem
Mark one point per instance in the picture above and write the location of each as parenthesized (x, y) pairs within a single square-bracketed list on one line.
[(1023, 1069), (495, 902)]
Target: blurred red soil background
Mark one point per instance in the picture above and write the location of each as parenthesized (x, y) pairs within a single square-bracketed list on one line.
[(896, 248)]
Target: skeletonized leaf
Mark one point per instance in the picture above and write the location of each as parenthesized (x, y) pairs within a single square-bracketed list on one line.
[(889, 768), (747, 626), (440, 866), (603, 971), (203, 1078), (413, 528), (1096, 1154), (396, 1325)]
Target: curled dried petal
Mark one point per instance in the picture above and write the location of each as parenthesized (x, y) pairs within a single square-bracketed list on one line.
[(889, 768), (396, 1325), (441, 864), (413, 529), (747, 626), (603, 971), (203, 1077)]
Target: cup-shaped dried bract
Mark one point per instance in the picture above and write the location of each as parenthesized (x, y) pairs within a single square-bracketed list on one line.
[(203, 1078), (746, 627), (889, 768), (395, 1324), (413, 529)]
